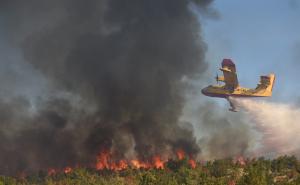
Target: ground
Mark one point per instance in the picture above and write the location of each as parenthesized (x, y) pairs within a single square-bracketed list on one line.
[(283, 170)]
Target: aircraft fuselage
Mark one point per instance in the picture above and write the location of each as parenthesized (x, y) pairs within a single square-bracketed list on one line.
[(222, 92)]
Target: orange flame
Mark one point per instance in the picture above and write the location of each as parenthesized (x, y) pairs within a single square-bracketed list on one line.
[(122, 165), (67, 169), (102, 160), (51, 171), (140, 164), (192, 163), (105, 161), (158, 163), (180, 154), (240, 160)]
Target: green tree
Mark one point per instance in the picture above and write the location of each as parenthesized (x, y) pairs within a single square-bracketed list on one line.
[(256, 173), (147, 178), (7, 180)]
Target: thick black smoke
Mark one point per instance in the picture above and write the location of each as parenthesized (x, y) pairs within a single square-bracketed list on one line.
[(115, 71)]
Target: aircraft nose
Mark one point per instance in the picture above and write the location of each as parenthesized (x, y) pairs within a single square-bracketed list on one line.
[(203, 91)]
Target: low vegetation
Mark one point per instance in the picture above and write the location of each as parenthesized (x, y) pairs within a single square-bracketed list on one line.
[(284, 170)]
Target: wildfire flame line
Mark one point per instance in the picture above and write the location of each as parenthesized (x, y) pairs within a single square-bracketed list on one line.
[(105, 161)]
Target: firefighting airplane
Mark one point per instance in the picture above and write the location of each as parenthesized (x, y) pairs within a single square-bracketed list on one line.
[(232, 88)]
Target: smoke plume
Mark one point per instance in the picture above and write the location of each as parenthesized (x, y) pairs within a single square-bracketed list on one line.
[(114, 73), (278, 123), (223, 134)]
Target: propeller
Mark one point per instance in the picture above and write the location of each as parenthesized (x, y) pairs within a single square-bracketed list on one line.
[(217, 78)]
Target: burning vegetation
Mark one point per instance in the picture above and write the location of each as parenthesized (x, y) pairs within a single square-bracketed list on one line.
[(239, 171), (105, 161)]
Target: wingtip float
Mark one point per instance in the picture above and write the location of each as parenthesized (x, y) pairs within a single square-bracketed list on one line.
[(231, 87)]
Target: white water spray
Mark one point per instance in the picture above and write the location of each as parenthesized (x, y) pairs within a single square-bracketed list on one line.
[(278, 123)]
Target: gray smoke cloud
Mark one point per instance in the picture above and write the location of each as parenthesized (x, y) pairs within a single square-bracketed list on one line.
[(220, 133), (109, 77), (229, 134)]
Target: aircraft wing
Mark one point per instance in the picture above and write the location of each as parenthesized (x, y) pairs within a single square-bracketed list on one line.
[(230, 77)]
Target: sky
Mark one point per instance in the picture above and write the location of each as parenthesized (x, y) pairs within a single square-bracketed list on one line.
[(260, 37)]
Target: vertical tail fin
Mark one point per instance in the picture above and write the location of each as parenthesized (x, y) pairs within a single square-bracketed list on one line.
[(271, 84), (265, 85)]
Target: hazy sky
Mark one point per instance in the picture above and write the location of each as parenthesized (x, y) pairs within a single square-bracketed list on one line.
[(261, 37)]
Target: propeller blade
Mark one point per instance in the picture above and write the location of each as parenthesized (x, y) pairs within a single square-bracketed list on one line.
[(217, 78)]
